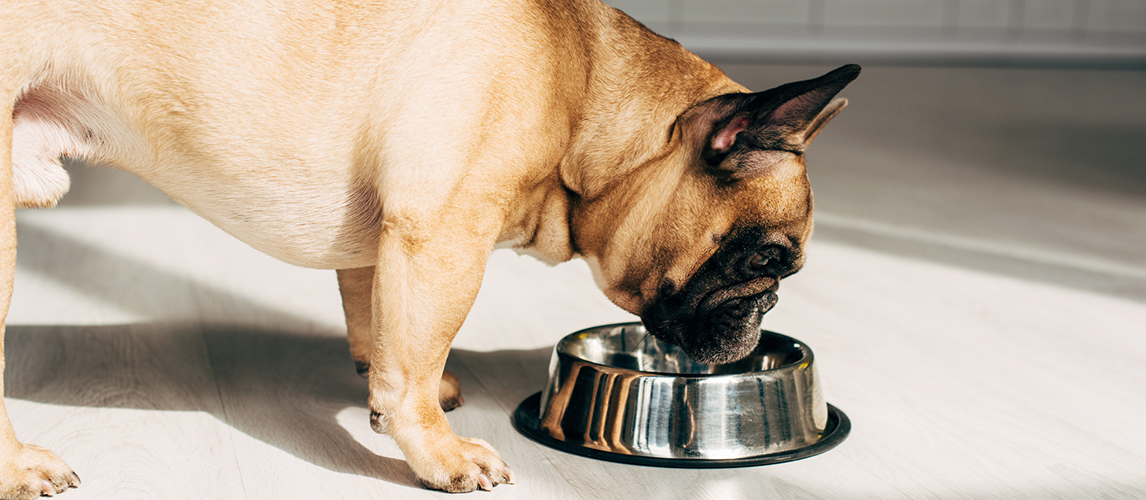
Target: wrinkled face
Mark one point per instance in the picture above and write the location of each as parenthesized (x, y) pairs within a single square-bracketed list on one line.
[(708, 263), (700, 238), (711, 304)]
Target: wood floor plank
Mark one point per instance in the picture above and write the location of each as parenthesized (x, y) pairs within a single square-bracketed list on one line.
[(134, 409)]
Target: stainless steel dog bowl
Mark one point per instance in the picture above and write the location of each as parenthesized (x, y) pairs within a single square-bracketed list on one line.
[(615, 393)]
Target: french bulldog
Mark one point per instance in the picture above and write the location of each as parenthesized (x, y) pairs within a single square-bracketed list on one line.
[(399, 143)]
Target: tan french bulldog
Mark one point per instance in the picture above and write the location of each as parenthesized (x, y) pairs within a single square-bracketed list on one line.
[(400, 143)]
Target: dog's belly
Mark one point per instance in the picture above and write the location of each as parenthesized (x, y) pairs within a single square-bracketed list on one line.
[(308, 211), (305, 212), (321, 226)]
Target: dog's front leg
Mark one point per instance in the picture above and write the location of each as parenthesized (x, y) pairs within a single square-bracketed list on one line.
[(427, 277), (26, 471)]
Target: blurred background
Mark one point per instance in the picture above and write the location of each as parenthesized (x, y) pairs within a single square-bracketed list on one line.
[(1088, 33)]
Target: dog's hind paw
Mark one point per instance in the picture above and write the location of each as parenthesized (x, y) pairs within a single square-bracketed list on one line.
[(32, 472)]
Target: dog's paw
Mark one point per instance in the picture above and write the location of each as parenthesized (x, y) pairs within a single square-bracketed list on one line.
[(467, 466), (32, 472)]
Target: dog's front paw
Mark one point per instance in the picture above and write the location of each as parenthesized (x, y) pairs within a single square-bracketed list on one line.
[(32, 472), (464, 466)]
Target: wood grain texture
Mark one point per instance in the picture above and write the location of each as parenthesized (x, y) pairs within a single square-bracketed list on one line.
[(164, 359)]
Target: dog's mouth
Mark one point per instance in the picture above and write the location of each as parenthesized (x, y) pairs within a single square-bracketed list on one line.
[(721, 332), (714, 315)]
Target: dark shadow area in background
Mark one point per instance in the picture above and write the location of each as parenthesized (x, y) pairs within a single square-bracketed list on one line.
[(1124, 287), (1110, 157)]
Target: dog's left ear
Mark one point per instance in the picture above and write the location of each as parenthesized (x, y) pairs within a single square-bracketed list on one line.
[(783, 119)]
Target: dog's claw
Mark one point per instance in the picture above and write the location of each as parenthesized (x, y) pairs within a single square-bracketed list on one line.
[(33, 472), (75, 482), (471, 465)]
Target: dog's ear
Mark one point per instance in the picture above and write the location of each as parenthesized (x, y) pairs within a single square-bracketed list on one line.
[(783, 120)]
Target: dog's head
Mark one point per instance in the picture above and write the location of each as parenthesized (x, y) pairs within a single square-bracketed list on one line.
[(700, 237)]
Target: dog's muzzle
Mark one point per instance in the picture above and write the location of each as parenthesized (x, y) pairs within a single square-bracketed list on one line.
[(724, 333)]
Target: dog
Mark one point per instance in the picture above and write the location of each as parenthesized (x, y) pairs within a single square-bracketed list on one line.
[(399, 143)]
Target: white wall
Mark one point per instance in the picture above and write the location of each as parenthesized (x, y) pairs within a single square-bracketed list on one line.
[(1087, 32)]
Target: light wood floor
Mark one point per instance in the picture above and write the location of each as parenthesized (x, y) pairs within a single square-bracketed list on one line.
[(975, 295)]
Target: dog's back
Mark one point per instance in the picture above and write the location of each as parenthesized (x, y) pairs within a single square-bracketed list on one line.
[(217, 101)]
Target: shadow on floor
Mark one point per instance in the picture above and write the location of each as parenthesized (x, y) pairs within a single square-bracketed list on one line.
[(281, 388), (268, 382)]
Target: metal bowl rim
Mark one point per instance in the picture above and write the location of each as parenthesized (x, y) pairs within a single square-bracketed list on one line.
[(807, 357)]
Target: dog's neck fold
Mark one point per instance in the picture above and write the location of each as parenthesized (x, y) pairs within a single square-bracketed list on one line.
[(627, 89)]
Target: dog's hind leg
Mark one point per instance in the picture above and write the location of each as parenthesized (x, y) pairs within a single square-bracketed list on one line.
[(356, 285), (26, 471)]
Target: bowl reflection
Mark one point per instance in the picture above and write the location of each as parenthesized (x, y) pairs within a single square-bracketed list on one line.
[(616, 393)]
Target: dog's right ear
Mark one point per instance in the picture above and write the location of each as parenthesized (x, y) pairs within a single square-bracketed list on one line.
[(783, 120)]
